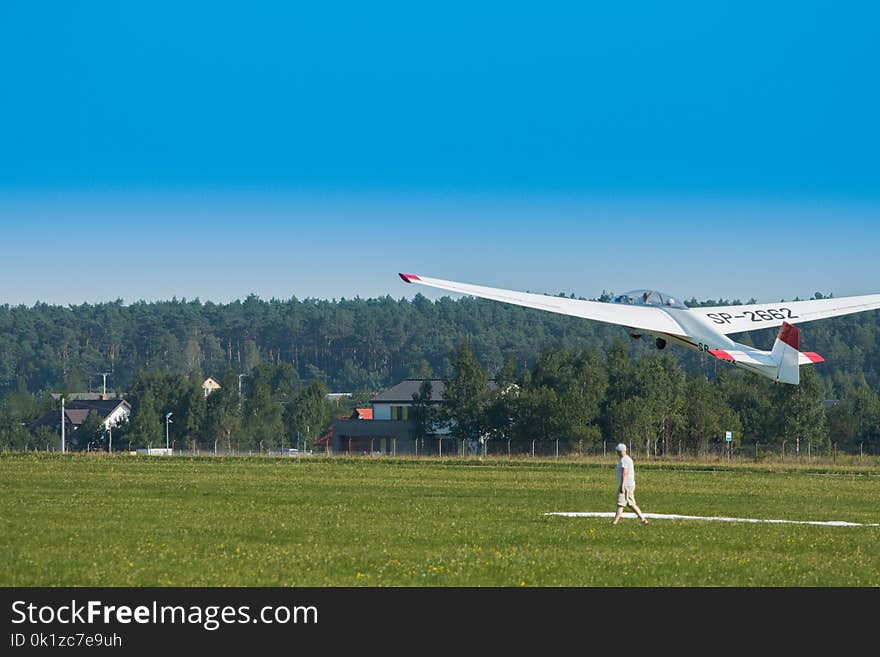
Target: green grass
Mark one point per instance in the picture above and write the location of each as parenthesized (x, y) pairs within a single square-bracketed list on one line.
[(81, 520)]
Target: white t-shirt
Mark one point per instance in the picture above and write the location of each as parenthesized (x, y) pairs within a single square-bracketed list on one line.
[(626, 462)]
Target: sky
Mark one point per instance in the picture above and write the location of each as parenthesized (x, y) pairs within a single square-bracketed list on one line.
[(214, 150)]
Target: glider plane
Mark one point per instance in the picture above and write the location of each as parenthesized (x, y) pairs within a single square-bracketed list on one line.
[(705, 329)]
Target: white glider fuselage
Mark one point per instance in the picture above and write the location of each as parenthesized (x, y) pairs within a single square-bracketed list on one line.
[(700, 335), (704, 329), (698, 332)]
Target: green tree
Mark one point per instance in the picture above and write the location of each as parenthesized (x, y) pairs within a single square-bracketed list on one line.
[(749, 397), (45, 439), (310, 414), (564, 396), (467, 395), (145, 425), (801, 413), (261, 418), (619, 415), (504, 407), (706, 415), (854, 421), (90, 434), (13, 436), (424, 415), (223, 414), (660, 386), (193, 411)]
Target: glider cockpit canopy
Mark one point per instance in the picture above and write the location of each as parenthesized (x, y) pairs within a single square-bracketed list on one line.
[(648, 298)]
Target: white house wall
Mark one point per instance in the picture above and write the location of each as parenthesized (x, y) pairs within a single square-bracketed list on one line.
[(118, 415)]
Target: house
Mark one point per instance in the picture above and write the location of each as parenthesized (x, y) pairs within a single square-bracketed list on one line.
[(210, 385), (386, 428), (394, 403), (111, 411)]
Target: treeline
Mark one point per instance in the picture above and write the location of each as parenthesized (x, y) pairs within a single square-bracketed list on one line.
[(272, 410), (576, 380), (581, 398), (349, 345)]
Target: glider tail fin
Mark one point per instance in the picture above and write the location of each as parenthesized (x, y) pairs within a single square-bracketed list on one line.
[(782, 364), (786, 354)]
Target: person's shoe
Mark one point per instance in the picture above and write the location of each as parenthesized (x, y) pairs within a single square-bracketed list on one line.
[(644, 521)]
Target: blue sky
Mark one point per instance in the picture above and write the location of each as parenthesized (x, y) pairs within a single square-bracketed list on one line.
[(215, 149)]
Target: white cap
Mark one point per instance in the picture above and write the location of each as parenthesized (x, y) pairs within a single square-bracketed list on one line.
[(621, 447)]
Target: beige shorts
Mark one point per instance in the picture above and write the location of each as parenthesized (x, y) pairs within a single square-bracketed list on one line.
[(627, 498)]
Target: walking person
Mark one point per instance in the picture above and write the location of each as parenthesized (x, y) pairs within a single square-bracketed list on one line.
[(626, 486)]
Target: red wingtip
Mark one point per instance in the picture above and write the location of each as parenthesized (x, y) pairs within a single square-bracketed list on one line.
[(814, 357), (409, 278), (790, 335)]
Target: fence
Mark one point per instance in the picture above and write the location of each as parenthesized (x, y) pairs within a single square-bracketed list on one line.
[(755, 452), (709, 452)]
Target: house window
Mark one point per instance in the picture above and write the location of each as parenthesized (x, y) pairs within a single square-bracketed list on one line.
[(400, 413)]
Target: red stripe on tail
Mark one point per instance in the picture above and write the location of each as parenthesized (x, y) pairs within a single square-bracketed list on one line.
[(409, 278), (790, 335), (814, 357)]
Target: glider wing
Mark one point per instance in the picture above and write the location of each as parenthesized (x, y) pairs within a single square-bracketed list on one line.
[(645, 318)]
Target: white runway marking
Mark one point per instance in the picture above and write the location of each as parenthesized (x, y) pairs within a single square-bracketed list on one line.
[(673, 516)]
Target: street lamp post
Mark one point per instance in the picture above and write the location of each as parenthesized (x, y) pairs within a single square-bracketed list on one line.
[(167, 422)]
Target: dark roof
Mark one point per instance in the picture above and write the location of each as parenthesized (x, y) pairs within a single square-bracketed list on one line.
[(102, 406), (78, 411), (49, 419), (404, 391), (75, 417), (74, 396)]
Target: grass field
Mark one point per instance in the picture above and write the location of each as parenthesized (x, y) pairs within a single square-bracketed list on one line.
[(98, 520)]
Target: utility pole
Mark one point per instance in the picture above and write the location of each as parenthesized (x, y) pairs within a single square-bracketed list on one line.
[(104, 389), (62, 425)]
